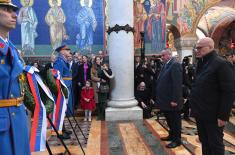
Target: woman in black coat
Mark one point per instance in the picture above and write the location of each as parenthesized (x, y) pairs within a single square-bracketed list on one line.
[(105, 74), (143, 97)]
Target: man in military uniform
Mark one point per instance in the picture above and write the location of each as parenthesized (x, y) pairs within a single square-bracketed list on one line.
[(14, 139), (62, 64)]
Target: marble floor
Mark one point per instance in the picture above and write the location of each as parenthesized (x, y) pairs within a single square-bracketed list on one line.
[(133, 138)]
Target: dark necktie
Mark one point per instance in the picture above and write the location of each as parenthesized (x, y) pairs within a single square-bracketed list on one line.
[(9, 56)]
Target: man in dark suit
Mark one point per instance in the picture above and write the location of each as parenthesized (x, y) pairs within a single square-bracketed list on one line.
[(51, 63), (75, 66), (211, 96), (169, 96), (83, 74)]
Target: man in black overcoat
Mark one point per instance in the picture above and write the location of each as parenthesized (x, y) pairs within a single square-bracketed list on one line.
[(211, 96)]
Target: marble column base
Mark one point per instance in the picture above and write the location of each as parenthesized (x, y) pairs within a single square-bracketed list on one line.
[(120, 114), (122, 103)]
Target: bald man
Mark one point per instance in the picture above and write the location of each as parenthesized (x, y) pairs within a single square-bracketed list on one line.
[(211, 96)]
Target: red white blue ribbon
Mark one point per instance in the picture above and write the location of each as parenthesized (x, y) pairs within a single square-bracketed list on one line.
[(61, 102), (39, 124)]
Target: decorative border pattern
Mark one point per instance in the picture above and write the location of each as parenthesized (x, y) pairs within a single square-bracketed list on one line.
[(118, 28)]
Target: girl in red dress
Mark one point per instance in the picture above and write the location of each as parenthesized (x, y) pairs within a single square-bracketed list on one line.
[(87, 100)]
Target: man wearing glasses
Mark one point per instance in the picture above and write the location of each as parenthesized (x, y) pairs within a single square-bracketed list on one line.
[(14, 136), (211, 96)]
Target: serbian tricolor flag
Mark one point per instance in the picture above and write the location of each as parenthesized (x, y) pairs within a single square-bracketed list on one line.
[(61, 102), (39, 124)]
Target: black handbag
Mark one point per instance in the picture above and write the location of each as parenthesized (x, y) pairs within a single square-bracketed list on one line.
[(186, 91), (104, 88)]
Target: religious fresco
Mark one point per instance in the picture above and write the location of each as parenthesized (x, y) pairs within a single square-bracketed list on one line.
[(140, 16), (214, 16), (87, 22), (184, 13), (171, 40), (55, 19), (227, 39), (45, 25), (150, 18), (213, 24), (156, 25), (27, 18)]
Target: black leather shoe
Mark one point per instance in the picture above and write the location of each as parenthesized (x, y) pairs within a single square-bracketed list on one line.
[(168, 138), (67, 132), (173, 145), (64, 136)]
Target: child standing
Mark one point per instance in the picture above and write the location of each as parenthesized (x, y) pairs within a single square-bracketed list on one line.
[(87, 100)]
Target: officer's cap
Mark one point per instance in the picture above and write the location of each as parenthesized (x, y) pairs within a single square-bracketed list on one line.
[(8, 3), (62, 47)]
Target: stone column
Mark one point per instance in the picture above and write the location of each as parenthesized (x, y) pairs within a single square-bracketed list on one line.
[(122, 104), (184, 46)]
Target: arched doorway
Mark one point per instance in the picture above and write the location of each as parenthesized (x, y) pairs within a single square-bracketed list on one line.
[(218, 23), (172, 35), (224, 36)]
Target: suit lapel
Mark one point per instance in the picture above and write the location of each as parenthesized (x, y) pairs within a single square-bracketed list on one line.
[(165, 68)]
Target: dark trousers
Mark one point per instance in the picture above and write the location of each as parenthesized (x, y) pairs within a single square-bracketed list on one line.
[(101, 105), (75, 95), (186, 109), (211, 137), (147, 112), (173, 120), (78, 96)]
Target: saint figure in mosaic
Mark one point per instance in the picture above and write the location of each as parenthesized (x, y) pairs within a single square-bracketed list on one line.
[(55, 19), (28, 20), (86, 26), (156, 26)]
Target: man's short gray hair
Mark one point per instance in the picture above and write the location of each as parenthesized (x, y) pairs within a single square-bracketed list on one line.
[(167, 50)]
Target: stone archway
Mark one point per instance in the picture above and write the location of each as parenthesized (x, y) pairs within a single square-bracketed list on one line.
[(225, 11), (202, 12), (216, 22), (220, 3), (224, 35), (184, 25), (183, 45), (172, 35)]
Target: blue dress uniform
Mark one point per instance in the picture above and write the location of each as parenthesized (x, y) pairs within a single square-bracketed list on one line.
[(62, 65), (14, 136)]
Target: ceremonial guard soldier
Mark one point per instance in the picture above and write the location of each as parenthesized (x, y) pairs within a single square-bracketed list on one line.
[(61, 64), (14, 136)]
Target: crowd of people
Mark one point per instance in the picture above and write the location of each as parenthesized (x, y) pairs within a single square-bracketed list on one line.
[(203, 90), (76, 69)]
